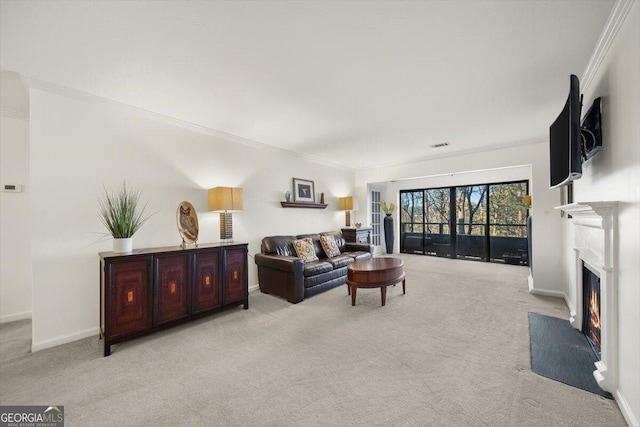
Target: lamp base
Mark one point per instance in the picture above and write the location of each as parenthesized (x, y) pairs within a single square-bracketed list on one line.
[(226, 227), (347, 218)]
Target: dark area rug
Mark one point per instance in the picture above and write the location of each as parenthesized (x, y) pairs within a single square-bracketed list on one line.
[(562, 353)]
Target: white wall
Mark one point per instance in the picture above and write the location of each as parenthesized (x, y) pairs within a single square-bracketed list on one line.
[(77, 145), (15, 248), (614, 175), (522, 162)]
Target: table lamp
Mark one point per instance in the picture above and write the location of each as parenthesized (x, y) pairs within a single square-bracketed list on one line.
[(346, 204), (225, 200)]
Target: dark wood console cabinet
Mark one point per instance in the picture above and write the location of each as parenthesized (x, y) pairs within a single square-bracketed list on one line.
[(150, 289)]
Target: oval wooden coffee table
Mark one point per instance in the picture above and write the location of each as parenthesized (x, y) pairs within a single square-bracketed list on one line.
[(378, 272)]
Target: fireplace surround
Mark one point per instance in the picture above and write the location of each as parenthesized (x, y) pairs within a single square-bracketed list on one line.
[(595, 247)]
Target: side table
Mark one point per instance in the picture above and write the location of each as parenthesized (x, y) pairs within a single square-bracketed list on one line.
[(357, 235)]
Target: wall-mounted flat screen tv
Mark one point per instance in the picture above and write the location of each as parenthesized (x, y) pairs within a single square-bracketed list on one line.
[(565, 140)]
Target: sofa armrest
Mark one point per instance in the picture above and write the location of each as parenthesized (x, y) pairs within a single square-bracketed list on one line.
[(281, 275), (364, 247)]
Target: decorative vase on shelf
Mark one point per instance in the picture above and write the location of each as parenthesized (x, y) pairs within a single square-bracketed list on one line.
[(388, 233), (123, 246)]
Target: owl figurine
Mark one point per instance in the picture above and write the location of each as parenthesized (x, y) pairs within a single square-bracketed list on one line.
[(187, 223)]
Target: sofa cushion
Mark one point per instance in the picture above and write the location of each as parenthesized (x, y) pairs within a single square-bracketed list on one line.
[(315, 239), (337, 235), (304, 249), (340, 261), (278, 245), (330, 246), (315, 268), (357, 255), (319, 279)]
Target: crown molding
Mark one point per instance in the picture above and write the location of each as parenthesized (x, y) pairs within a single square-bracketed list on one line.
[(14, 114), (615, 21), (34, 83), (459, 153)]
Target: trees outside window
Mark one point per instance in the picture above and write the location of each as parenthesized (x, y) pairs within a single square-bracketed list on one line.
[(508, 215), (490, 221)]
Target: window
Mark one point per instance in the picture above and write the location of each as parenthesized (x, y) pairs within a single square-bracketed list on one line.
[(483, 222)]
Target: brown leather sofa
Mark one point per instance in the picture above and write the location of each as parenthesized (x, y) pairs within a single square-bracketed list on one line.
[(282, 273)]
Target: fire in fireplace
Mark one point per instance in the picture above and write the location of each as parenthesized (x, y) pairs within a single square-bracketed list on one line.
[(591, 307)]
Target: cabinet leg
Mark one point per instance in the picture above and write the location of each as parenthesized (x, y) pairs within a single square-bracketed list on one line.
[(246, 304), (107, 349)]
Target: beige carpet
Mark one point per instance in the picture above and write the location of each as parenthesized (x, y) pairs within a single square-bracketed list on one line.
[(454, 351)]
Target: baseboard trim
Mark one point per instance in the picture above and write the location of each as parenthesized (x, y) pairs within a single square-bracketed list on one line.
[(64, 339), (547, 293), (15, 317), (628, 415), (572, 309)]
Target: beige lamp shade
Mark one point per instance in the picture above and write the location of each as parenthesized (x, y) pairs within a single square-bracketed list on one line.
[(345, 203), (225, 199)]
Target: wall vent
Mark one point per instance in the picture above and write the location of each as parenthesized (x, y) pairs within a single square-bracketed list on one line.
[(442, 144)]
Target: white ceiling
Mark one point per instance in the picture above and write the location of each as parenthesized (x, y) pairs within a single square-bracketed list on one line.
[(358, 83)]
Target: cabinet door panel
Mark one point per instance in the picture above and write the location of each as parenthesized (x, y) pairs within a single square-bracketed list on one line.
[(171, 288), (206, 290), (235, 270), (128, 297)]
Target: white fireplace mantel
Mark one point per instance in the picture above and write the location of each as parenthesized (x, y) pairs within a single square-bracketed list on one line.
[(592, 214), (595, 236)]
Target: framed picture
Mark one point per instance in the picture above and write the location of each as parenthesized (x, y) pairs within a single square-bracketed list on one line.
[(303, 191)]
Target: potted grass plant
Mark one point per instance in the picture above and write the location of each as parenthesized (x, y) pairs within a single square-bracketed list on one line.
[(122, 215)]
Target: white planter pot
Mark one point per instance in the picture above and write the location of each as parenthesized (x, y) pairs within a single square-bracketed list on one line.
[(123, 246)]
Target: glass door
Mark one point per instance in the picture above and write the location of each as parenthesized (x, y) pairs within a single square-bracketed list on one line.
[(508, 222), (376, 217), (484, 222), (412, 232), (438, 237), (471, 222)]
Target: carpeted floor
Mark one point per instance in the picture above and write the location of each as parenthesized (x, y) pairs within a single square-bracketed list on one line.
[(454, 351)]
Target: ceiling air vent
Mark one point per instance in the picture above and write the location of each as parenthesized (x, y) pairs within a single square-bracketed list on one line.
[(442, 144)]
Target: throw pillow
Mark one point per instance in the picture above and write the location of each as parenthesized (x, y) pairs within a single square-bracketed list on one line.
[(330, 246), (304, 249)]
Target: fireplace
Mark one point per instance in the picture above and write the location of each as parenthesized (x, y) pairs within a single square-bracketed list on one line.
[(591, 293), (591, 308)]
